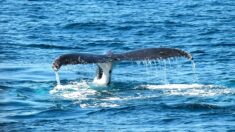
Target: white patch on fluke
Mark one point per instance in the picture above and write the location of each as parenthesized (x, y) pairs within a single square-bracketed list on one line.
[(106, 75)]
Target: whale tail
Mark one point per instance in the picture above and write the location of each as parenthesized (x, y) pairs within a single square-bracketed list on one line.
[(105, 62), (142, 54)]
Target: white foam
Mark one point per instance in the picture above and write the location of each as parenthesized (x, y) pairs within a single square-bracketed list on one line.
[(73, 91), (89, 96), (177, 86), (190, 89), (81, 91), (112, 99), (104, 104)]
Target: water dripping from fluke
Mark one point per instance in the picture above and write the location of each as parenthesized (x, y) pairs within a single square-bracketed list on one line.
[(164, 64), (194, 71), (57, 78)]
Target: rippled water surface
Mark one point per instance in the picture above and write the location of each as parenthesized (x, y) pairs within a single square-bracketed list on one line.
[(167, 95)]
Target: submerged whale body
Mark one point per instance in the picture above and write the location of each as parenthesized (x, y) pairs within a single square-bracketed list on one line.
[(105, 62)]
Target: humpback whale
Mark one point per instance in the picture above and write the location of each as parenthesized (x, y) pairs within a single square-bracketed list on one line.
[(105, 62)]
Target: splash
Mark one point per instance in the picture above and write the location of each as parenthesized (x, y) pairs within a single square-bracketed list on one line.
[(73, 91), (82, 93)]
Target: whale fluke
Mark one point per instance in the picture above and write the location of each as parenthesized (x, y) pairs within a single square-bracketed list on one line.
[(105, 62), (142, 54)]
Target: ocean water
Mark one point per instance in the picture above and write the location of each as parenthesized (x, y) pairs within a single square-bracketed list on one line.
[(167, 95)]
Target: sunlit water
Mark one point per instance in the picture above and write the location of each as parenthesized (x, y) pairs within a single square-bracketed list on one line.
[(167, 95)]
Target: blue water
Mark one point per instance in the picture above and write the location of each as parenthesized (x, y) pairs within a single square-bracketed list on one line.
[(165, 95)]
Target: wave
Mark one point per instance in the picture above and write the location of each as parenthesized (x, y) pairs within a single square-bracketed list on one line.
[(10, 104), (179, 107), (86, 25), (3, 87), (40, 46), (195, 106), (49, 46)]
